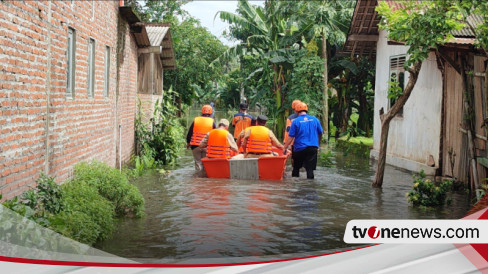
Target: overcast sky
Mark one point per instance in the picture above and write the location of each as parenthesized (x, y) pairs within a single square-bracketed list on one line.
[(206, 10)]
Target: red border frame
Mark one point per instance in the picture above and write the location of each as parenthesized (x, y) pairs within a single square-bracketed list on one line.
[(97, 264)]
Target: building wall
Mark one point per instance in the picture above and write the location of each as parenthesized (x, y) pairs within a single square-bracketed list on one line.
[(455, 146), (41, 127), (147, 106), (416, 135), (127, 96)]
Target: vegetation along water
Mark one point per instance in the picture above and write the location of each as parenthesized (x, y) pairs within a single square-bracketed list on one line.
[(188, 217)]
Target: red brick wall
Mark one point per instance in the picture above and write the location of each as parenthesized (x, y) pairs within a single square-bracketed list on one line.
[(80, 128), (127, 96)]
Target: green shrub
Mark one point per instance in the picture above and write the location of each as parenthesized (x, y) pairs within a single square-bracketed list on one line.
[(165, 136), (325, 159), (77, 226), (134, 201), (143, 162), (112, 185), (84, 208), (46, 196), (89, 217), (427, 193)]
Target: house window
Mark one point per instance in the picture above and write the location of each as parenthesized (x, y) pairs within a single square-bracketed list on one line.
[(107, 71), (91, 68), (397, 74), (93, 10), (71, 62)]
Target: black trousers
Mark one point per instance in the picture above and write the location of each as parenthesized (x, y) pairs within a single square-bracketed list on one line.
[(306, 158)]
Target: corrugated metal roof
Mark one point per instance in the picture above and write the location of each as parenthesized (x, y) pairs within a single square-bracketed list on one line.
[(365, 21), (159, 35), (471, 23), (156, 34)]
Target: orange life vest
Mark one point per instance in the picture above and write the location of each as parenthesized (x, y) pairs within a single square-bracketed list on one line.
[(287, 128), (241, 147), (240, 123), (218, 144), (259, 141), (201, 126), (288, 125)]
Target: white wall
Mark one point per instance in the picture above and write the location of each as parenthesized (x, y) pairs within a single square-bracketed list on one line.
[(416, 135)]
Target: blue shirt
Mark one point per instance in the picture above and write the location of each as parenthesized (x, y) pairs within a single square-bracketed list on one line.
[(306, 130), (291, 118)]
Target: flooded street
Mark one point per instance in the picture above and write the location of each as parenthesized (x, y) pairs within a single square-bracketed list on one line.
[(201, 218)]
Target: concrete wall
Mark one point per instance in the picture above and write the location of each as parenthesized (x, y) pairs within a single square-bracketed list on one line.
[(416, 135), (41, 127), (147, 106)]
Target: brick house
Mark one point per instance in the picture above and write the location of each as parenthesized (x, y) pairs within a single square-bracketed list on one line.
[(68, 87)]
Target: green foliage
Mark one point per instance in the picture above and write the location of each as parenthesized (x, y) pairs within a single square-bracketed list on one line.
[(394, 90), (306, 82), (355, 146), (47, 196), (427, 193), (353, 81), (482, 190), (158, 11), (22, 209), (480, 28), (112, 185), (422, 25), (164, 142), (143, 162), (84, 208), (195, 48), (89, 216), (325, 159)]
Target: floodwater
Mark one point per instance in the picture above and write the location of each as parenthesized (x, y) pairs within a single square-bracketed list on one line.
[(191, 219)]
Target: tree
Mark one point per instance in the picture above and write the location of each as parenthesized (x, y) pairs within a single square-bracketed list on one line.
[(329, 20), (159, 11), (271, 39), (195, 47), (423, 26)]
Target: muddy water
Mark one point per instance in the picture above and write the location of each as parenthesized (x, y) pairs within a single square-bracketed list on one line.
[(199, 218)]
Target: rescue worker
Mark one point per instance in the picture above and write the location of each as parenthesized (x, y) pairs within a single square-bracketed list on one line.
[(288, 124), (291, 118), (241, 120), (198, 129), (219, 142), (240, 138), (259, 140), (305, 132)]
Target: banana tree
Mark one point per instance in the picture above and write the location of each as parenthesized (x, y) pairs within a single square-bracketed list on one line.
[(330, 22), (273, 40)]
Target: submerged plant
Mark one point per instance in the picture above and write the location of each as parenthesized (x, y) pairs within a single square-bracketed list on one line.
[(325, 159), (163, 139), (427, 193)]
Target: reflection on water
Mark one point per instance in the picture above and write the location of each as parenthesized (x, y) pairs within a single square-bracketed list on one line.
[(191, 217)]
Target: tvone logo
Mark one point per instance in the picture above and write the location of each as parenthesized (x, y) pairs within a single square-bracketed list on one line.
[(373, 232)]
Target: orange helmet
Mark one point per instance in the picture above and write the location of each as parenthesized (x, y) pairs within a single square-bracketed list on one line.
[(295, 103), (207, 109), (301, 106)]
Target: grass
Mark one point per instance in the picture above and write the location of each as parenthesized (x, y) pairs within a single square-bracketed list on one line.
[(359, 146), (368, 141)]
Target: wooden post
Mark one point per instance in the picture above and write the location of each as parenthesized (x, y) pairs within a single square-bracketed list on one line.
[(325, 111), (471, 150)]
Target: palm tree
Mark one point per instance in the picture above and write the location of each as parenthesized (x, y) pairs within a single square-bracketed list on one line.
[(330, 21), (271, 38)]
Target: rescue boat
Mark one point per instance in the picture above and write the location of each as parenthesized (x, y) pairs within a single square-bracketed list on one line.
[(264, 168)]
